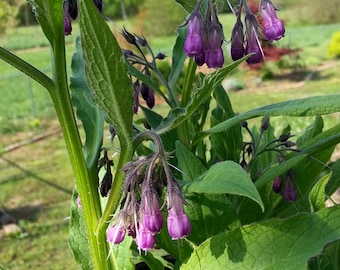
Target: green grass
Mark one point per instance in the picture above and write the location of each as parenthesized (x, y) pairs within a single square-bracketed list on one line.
[(36, 181)]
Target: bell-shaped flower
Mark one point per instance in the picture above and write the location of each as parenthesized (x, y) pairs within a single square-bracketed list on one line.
[(273, 26), (116, 234), (151, 213), (67, 20), (237, 41), (194, 44), (253, 44), (214, 54), (145, 239), (178, 222)]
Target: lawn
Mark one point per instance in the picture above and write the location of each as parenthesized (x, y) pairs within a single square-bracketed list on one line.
[(36, 181)]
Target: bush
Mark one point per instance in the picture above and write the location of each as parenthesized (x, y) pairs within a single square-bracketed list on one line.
[(155, 23), (7, 13), (334, 46)]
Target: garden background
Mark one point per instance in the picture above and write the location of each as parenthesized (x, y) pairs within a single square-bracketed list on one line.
[(36, 180)]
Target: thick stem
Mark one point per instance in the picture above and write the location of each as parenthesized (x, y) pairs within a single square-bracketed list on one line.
[(87, 187)]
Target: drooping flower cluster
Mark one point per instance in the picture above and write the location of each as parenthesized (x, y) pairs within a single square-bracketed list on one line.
[(140, 214), (71, 12), (273, 29), (140, 60), (205, 37)]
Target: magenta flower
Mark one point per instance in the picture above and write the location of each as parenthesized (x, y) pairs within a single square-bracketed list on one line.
[(116, 234), (145, 239), (194, 44), (273, 27), (178, 222), (151, 213)]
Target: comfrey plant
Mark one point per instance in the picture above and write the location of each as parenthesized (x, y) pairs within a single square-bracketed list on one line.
[(233, 196)]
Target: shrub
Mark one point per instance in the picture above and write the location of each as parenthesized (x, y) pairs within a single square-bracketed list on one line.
[(334, 46)]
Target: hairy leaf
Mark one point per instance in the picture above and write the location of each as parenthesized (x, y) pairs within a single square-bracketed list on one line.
[(272, 244), (225, 177)]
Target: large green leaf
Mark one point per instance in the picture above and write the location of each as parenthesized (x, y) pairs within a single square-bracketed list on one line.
[(90, 115), (77, 236), (317, 105), (272, 244), (106, 70), (122, 254), (209, 215), (188, 5), (50, 17), (225, 177)]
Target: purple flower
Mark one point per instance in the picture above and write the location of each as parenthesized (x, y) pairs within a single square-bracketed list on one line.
[(289, 192), (178, 222), (253, 44), (145, 239), (237, 41), (148, 95), (273, 27), (116, 234), (151, 213), (67, 20), (194, 44), (214, 54), (136, 87), (277, 184)]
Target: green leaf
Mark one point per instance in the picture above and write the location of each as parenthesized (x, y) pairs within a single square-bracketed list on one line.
[(317, 196), (106, 70), (122, 254), (227, 145), (311, 106), (50, 17), (178, 57), (77, 236), (272, 244), (225, 177), (190, 166), (90, 115), (311, 132), (198, 96), (209, 215), (188, 5)]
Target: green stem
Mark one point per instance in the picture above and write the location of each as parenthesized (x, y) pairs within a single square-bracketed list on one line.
[(87, 187), (26, 68), (183, 132)]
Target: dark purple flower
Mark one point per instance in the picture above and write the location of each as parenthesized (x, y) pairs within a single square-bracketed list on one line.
[(151, 213), (136, 87), (200, 59), (214, 54), (98, 4), (178, 222), (253, 44), (67, 20), (194, 44), (145, 239), (148, 95), (289, 191), (73, 8), (273, 27), (277, 184), (237, 41), (116, 234)]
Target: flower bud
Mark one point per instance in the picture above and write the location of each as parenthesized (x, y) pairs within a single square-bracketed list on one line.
[(116, 234), (277, 184), (73, 8), (151, 213), (289, 191), (67, 20), (273, 27)]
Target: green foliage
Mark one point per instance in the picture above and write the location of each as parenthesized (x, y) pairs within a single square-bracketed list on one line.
[(334, 46), (156, 23), (7, 14)]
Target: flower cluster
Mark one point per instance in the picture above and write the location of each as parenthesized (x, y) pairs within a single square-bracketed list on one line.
[(205, 37), (140, 214), (71, 12), (140, 60), (249, 42), (289, 192)]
